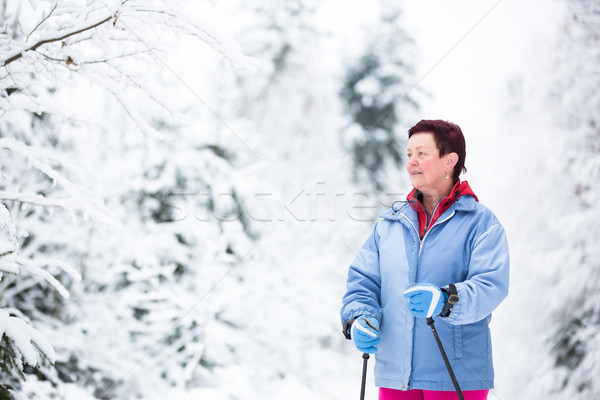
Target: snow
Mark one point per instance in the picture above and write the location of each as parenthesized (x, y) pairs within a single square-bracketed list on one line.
[(215, 156), (77, 200), (25, 338)]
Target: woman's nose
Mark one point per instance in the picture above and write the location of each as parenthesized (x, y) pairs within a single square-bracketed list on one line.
[(411, 160)]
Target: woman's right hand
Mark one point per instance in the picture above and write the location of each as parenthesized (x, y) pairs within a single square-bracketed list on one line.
[(365, 334)]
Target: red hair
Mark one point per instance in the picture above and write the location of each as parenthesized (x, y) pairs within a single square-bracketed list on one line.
[(448, 138)]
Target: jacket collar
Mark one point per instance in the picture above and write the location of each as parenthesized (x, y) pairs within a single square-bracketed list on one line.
[(459, 189), (461, 198)]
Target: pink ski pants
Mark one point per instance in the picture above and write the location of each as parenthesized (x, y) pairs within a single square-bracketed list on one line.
[(415, 394)]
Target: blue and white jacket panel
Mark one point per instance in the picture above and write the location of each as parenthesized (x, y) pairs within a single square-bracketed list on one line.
[(466, 246)]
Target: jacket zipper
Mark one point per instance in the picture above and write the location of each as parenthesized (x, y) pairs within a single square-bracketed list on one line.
[(427, 233), (421, 240), (429, 217), (406, 384), (427, 227)]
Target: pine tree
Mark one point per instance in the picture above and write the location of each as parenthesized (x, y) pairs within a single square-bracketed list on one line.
[(380, 98)]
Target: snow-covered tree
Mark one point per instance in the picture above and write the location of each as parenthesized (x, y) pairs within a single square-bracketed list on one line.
[(379, 92), (575, 340), (91, 117), (555, 130)]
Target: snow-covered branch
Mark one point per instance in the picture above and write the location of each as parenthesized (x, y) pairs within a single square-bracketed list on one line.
[(67, 144), (58, 38), (8, 248), (78, 200), (41, 22), (35, 267), (28, 345)]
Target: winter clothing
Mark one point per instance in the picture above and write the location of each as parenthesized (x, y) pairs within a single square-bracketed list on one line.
[(415, 394), (466, 246), (425, 220), (365, 334), (425, 300)]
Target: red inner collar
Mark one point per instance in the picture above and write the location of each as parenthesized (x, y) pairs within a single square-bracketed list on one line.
[(425, 219)]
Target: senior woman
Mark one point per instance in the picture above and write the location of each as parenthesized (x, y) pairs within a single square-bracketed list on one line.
[(440, 243)]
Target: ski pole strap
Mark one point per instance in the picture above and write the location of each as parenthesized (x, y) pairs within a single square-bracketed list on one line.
[(347, 327), (452, 300)]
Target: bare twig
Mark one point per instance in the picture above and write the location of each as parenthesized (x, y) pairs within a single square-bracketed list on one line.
[(68, 60), (106, 60), (135, 120), (56, 39), (41, 22), (7, 253)]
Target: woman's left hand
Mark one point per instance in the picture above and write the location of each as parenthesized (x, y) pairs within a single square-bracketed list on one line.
[(425, 300)]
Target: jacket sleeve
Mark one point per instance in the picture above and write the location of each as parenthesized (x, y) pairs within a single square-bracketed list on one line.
[(364, 283), (487, 281)]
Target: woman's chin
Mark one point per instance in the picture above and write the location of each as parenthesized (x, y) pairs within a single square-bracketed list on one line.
[(416, 183)]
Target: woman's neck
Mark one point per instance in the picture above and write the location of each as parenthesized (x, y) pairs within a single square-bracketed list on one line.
[(433, 197)]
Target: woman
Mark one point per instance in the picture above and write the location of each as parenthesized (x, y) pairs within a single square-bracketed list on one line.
[(453, 253)]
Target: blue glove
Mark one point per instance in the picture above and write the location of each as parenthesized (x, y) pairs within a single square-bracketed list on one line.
[(365, 334), (425, 300)]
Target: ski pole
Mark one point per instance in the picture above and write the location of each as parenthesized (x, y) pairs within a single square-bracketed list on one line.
[(445, 357), (364, 376), (365, 357)]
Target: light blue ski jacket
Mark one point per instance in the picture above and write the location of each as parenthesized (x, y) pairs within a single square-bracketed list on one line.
[(466, 246)]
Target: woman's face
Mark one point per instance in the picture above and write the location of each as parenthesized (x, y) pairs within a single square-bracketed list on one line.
[(426, 169)]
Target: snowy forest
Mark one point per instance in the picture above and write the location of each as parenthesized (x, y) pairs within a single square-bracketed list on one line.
[(184, 183)]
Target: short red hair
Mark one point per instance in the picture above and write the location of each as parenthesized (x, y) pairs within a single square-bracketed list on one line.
[(448, 139)]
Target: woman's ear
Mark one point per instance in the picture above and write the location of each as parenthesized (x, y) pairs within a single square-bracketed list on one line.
[(451, 160)]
